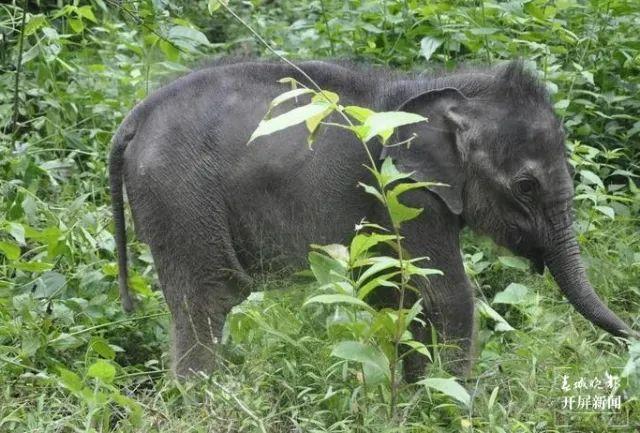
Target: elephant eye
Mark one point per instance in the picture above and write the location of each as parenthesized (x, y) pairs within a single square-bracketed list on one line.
[(526, 186)]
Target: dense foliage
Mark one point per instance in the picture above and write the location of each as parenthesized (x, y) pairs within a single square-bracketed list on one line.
[(70, 360)]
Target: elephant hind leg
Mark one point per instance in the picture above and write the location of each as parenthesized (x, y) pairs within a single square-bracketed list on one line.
[(201, 279), (197, 326)]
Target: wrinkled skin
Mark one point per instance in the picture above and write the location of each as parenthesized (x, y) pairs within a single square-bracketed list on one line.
[(215, 211)]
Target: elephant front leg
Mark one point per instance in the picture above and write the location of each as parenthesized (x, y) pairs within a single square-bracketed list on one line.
[(450, 312), (449, 330)]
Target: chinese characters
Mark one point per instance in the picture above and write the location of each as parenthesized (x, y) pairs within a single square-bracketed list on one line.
[(591, 394)]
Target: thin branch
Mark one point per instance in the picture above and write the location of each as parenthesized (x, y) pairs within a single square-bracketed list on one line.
[(16, 96), (326, 26), (115, 322), (280, 56), (239, 402), (141, 22)]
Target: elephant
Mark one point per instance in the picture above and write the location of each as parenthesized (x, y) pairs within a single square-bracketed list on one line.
[(216, 212)]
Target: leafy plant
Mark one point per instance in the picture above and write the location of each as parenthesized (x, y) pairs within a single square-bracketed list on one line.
[(78, 77), (349, 274)]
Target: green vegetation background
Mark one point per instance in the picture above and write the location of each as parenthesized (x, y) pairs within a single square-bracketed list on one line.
[(70, 360)]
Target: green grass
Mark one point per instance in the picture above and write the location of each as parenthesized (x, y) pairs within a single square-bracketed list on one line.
[(283, 383), (70, 360)]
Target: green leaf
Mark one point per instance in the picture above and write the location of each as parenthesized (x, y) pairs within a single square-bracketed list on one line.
[(492, 398), (48, 284), (288, 119), (293, 93), (65, 341), (33, 266), (186, 37), (408, 186), (10, 250), (412, 269), (382, 280), (214, 5), (513, 294), (102, 370), (34, 23), (70, 380), (373, 191), (17, 231), (588, 76), (133, 406), (76, 24), (360, 114), (389, 173), (384, 123), (169, 50), (488, 312), (480, 31), (377, 264), (337, 299), (335, 251), (326, 97), (606, 210), (102, 348), (326, 269), (591, 178), (363, 242), (341, 287), (86, 12), (514, 262), (418, 347), (313, 122), (140, 284), (448, 387), (428, 46), (375, 363), (398, 212)]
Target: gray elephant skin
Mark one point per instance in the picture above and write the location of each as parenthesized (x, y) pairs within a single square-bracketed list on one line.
[(215, 211)]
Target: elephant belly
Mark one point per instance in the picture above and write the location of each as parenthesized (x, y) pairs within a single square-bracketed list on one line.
[(276, 230)]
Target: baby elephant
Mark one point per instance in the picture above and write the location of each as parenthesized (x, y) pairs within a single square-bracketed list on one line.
[(214, 211)]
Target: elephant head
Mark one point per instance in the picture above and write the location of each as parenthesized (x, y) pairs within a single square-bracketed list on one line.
[(494, 139)]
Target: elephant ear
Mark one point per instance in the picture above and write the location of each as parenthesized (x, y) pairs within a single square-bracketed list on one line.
[(435, 154)]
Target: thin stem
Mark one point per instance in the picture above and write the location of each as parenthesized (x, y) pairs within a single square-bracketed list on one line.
[(280, 56), (117, 322), (586, 48), (399, 321), (326, 26), (396, 228), (240, 404), (485, 38), (140, 22), (16, 94)]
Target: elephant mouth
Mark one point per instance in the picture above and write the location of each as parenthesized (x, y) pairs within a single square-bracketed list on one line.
[(532, 252), (535, 257), (537, 265)]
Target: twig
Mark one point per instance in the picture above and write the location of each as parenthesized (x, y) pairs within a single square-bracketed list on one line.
[(16, 96), (240, 404), (140, 22), (326, 26), (280, 56), (116, 322)]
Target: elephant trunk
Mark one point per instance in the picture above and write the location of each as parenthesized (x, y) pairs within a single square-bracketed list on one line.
[(563, 260)]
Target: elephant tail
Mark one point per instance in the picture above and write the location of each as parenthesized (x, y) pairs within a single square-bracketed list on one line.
[(116, 164)]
